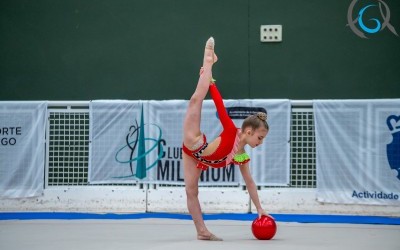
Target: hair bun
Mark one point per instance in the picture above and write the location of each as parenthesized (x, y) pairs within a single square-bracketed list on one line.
[(262, 116)]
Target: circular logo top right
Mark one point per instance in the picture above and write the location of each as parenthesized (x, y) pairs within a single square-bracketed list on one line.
[(362, 13)]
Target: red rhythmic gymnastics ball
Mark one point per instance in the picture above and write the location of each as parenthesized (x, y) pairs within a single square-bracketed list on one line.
[(264, 227)]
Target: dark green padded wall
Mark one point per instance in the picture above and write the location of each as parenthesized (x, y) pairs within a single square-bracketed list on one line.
[(320, 57), (152, 49)]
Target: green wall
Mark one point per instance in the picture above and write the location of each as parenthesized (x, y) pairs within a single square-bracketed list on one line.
[(152, 49)]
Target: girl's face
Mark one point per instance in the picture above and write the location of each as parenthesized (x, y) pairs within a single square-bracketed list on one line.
[(255, 137)]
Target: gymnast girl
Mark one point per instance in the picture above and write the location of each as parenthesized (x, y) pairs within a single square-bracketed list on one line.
[(227, 148)]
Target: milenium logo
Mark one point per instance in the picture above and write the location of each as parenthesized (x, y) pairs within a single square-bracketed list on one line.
[(378, 25)]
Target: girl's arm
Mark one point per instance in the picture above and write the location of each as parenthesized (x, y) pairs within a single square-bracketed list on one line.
[(252, 188)]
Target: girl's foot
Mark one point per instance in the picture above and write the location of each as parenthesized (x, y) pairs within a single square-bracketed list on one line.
[(210, 237), (209, 56)]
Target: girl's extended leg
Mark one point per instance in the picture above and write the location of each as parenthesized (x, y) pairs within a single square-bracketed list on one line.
[(191, 124), (191, 134)]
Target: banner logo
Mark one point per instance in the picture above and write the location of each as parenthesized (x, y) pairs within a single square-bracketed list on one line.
[(136, 143), (393, 148), (366, 24)]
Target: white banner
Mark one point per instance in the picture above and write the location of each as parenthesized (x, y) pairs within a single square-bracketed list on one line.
[(358, 151), (159, 159), (22, 148)]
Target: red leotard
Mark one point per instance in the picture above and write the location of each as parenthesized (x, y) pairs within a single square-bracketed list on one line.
[(227, 148)]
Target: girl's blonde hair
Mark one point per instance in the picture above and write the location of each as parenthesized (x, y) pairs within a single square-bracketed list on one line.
[(256, 121)]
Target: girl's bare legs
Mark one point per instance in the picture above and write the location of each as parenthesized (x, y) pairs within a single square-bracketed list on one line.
[(191, 124), (191, 134)]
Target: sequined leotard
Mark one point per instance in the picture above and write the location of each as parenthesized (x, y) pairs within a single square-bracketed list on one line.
[(228, 146)]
